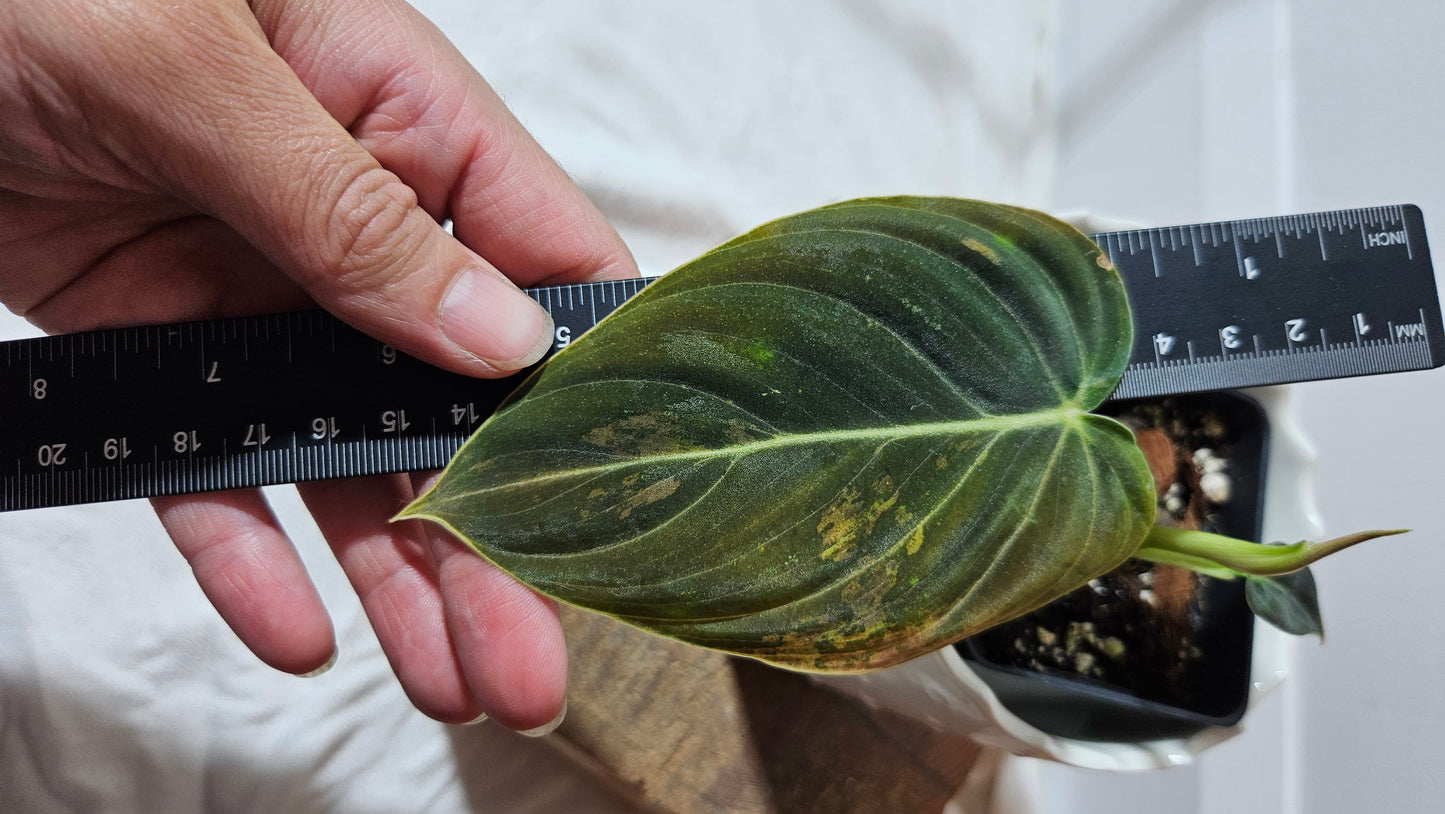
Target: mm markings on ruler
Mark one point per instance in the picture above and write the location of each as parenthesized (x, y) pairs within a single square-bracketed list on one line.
[(252, 401), (1294, 298), (249, 401)]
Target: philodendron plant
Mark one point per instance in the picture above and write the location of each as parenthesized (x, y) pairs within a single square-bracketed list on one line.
[(842, 440)]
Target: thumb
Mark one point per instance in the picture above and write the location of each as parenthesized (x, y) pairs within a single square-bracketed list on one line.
[(258, 151)]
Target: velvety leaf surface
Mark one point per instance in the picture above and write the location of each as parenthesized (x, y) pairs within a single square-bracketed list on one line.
[(846, 438)]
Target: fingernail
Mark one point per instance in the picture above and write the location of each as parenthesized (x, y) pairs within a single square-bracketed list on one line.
[(480, 719), (547, 728), (331, 662), (490, 318)]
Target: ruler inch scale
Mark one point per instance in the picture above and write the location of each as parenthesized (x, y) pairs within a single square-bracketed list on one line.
[(285, 398)]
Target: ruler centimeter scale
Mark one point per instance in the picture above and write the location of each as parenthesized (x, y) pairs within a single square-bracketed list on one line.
[(253, 401)]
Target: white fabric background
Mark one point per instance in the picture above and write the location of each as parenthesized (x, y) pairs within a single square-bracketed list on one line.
[(121, 691)]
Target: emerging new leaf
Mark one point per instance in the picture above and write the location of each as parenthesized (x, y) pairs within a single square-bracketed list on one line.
[(839, 441)]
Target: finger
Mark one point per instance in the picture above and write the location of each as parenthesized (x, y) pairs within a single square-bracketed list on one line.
[(242, 139), (507, 637), (252, 575), (190, 268), (415, 103), (391, 571), (55, 241)]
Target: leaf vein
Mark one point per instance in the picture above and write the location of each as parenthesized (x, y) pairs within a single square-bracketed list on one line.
[(1028, 330), (864, 434)]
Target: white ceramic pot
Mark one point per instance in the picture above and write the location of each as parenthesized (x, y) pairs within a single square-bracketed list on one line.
[(944, 691)]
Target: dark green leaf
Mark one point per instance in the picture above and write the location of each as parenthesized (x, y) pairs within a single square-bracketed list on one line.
[(1288, 601), (837, 442)]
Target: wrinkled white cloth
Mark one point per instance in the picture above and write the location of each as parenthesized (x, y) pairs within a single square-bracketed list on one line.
[(120, 689)]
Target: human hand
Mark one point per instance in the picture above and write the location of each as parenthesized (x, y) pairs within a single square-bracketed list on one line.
[(164, 161)]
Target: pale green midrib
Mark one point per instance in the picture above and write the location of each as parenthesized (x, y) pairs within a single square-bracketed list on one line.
[(1065, 416)]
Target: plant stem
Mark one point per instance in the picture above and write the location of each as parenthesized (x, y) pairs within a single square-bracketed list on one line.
[(1214, 553)]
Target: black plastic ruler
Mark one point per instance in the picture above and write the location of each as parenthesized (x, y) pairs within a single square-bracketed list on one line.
[(253, 401), (1275, 300)]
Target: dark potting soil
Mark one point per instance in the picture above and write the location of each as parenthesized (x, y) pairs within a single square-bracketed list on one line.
[(1139, 628)]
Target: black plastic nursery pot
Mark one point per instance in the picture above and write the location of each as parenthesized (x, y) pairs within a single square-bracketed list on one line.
[(1148, 651)]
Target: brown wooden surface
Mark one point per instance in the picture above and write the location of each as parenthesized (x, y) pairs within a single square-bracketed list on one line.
[(682, 729)]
